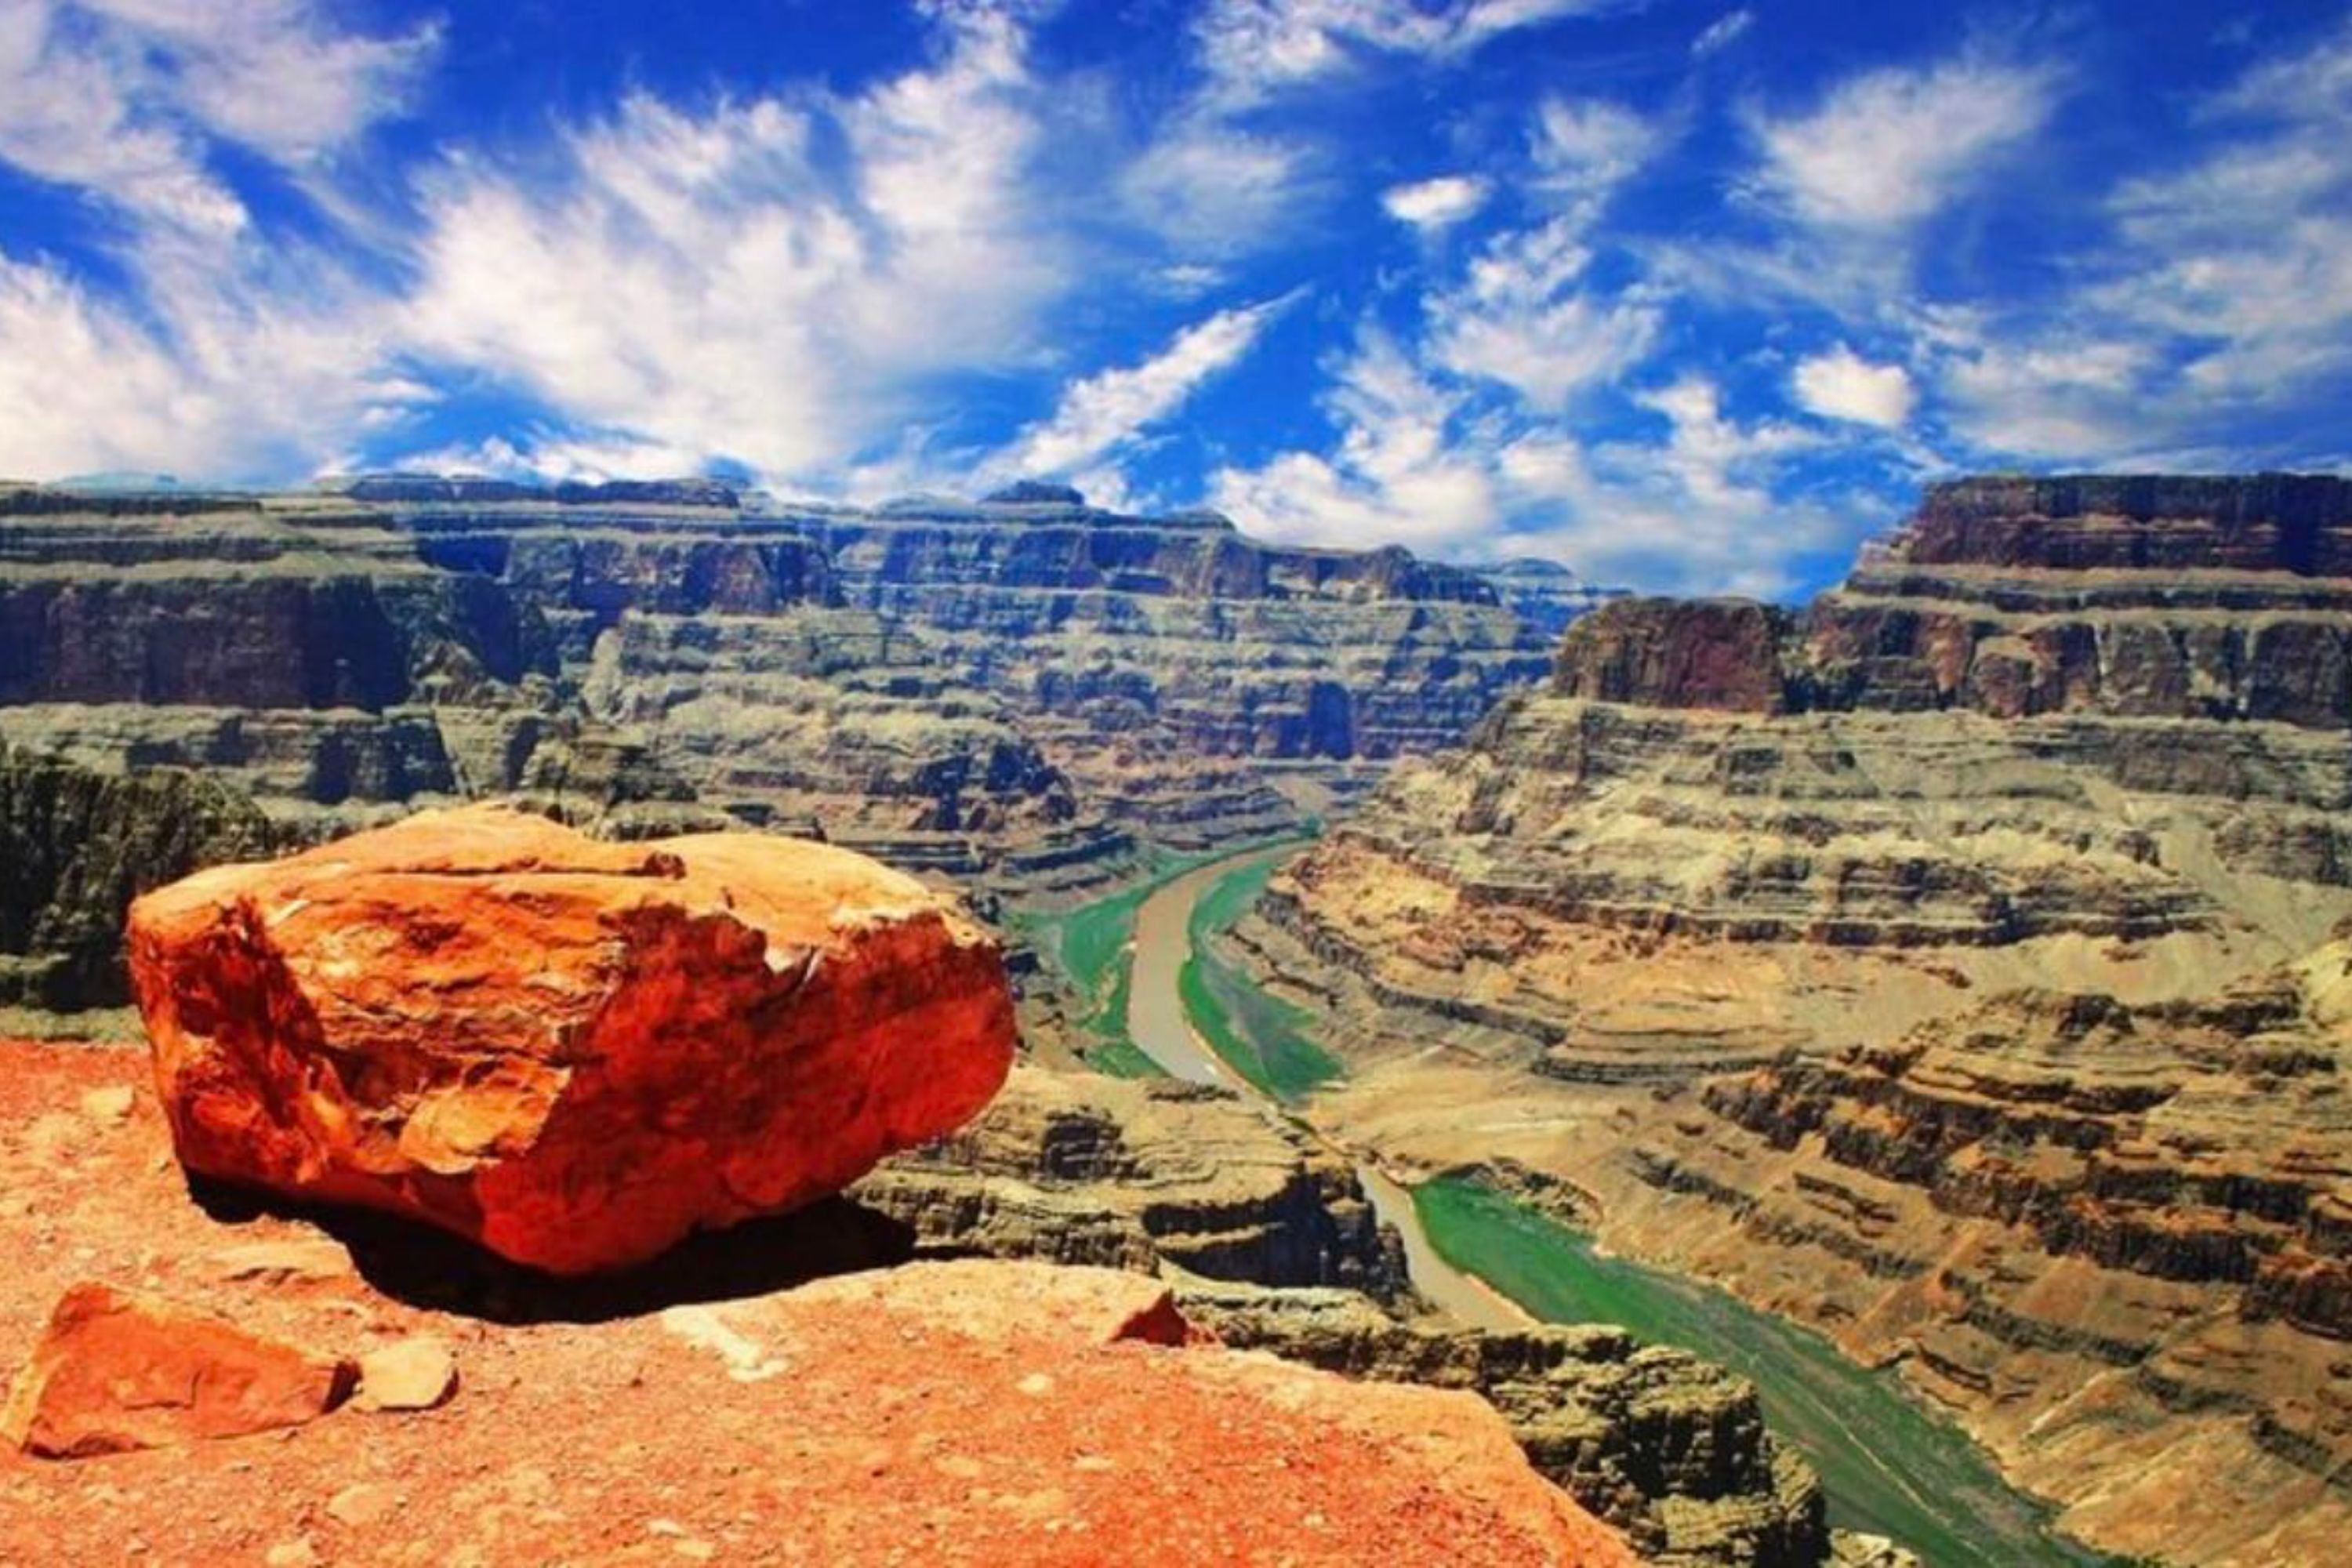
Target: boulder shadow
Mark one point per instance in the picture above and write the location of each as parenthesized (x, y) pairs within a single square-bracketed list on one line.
[(432, 1269)]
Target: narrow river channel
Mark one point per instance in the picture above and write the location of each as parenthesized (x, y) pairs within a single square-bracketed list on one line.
[(1888, 1466), (1162, 1030)]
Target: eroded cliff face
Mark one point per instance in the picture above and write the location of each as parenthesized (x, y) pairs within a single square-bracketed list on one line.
[(1952, 964), (1077, 1168), (1273, 1246), (77, 846), (1015, 688)]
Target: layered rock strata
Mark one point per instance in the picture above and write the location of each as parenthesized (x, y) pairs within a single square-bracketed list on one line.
[(1077, 1168), (1274, 1246), (713, 619), (1948, 962), (1014, 690)]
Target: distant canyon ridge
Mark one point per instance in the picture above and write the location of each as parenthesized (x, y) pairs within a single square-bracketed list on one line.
[(1962, 963), (1011, 693)]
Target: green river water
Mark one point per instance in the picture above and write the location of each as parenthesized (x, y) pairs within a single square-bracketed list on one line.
[(1888, 1464)]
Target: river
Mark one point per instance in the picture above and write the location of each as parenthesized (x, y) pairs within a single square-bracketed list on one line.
[(1888, 1466), (1160, 1027)]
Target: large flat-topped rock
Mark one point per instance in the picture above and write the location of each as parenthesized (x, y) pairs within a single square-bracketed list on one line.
[(2276, 522), (575, 1053)]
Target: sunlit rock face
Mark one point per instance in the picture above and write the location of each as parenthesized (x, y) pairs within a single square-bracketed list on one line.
[(575, 1053), (1016, 689), (1953, 961)]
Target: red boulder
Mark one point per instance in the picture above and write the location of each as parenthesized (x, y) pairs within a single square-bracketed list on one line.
[(573, 1052)]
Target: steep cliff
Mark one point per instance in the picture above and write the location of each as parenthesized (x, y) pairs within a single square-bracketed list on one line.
[(1274, 1246), (77, 846), (1948, 962), (1015, 688)]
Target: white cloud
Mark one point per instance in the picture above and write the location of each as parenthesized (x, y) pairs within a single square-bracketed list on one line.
[(1419, 463), (1722, 32), (123, 98), (2225, 292), (2067, 396), (1889, 147), (1585, 148), (1523, 315), (748, 303), (1216, 190), (1252, 47), (1436, 204), (277, 76), (262, 370), (1401, 474), (1841, 385), (1521, 318), (1097, 415)]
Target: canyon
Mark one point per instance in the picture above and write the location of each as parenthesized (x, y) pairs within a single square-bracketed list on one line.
[(1955, 964), (1008, 693)]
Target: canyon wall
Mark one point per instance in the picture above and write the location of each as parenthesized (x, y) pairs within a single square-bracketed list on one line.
[(1015, 693), (1955, 964)]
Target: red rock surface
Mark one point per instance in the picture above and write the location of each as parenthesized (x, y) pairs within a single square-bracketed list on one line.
[(960, 1415), (1721, 654), (573, 1052), (120, 1370)]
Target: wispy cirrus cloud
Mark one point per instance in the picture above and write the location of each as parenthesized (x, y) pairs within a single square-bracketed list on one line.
[(1252, 47), (1887, 148), (128, 100), (2222, 293), (756, 300), (1101, 412)]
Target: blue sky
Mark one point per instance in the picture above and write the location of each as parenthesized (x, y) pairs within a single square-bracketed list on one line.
[(1688, 294)]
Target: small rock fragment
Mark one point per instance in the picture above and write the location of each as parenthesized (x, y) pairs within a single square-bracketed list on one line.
[(109, 1107), (358, 1506), (118, 1371), (302, 1262), (412, 1374)]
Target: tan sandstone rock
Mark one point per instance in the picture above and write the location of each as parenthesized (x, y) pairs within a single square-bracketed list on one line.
[(412, 1374)]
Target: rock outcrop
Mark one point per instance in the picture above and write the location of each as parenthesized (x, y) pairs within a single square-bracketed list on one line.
[(1670, 1451), (978, 1411), (78, 846), (1949, 963), (1077, 1168), (573, 1052), (1273, 1246)]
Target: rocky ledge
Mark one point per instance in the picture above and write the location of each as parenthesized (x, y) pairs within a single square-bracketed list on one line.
[(1270, 1245), (984, 1411), (1951, 963)]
